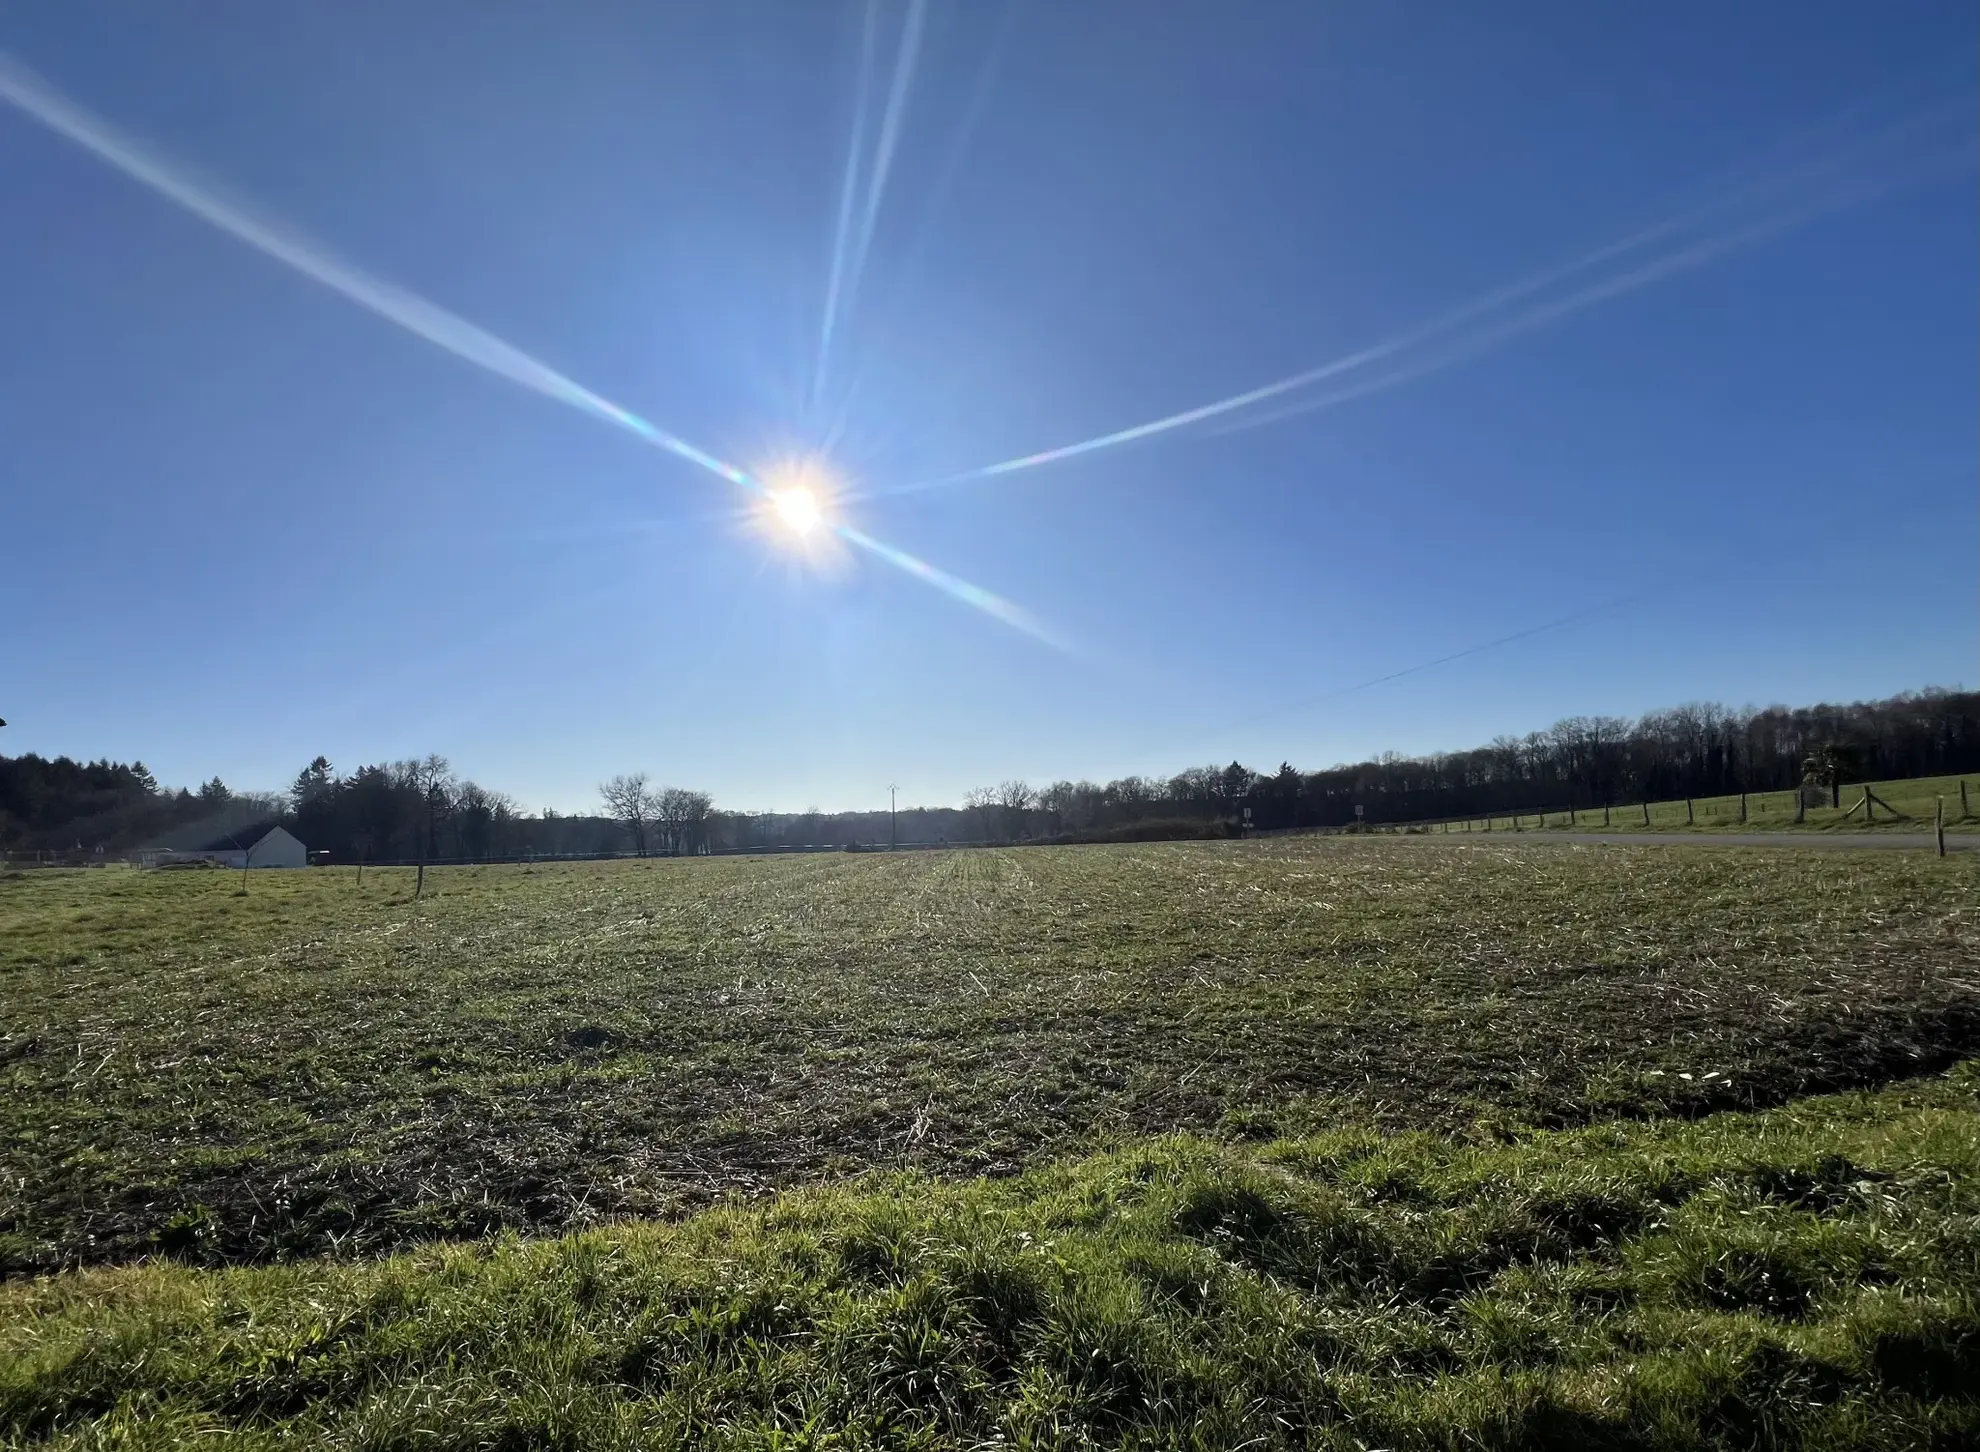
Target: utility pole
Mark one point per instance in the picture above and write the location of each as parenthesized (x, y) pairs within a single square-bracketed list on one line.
[(893, 820)]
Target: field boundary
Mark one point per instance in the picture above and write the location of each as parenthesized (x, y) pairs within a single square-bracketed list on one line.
[(1738, 813)]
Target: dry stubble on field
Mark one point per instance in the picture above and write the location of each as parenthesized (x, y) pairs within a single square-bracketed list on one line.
[(316, 1066)]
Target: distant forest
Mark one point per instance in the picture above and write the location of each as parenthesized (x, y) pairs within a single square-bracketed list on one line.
[(409, 810)]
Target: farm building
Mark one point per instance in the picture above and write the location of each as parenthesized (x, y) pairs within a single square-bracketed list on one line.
[(258, 844)]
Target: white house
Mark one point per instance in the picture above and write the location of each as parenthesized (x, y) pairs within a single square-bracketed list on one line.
[(260, 844)]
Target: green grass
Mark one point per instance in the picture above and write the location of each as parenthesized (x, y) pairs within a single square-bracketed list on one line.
[(318, 1068), (1915, 798), (1332, 1143), (1802, 1277)]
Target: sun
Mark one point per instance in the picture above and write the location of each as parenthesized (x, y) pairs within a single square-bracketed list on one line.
[(797, 509)]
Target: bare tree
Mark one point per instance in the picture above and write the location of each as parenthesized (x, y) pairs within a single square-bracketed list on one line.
[(1129, 797), (1014, 801), (628, 799), (435, 779), (483, 821), (979, 809), (1060, 802), (683, 818), (1196, 789), (696, 809)]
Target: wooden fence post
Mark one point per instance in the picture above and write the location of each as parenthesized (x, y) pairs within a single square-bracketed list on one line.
[(1571, 821), (1646, 811), (1962, 799), (1605, 814), (1800, 806), (1690, 818), (1939, 825), (420, 886), (1742, 806)]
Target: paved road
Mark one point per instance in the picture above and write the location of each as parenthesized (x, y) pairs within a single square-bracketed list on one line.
[(1912, 841)]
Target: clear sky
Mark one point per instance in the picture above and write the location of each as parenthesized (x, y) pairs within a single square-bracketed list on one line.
[(1659, 321)]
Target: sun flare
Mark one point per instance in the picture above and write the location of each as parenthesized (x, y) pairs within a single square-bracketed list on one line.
[(797, 509)]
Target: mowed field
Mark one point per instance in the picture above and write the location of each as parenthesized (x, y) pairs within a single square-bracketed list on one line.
[(1303, 1142)]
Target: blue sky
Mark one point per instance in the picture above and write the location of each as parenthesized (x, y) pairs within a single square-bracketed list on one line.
[(247, 521)]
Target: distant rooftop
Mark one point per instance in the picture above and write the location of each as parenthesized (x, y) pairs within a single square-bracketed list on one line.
[(216, 832), (238, 839)]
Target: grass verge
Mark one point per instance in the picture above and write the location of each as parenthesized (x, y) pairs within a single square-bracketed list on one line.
[(1802, 1277)]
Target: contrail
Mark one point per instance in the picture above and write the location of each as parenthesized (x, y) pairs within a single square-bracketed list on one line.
[(1497, 300), (1698, 570), (848, 187), (1527, 634), (1305, 703), (1695, 255), (33, 97), (1683, 259)]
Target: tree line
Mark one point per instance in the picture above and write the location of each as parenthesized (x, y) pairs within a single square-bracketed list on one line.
[(422, 810), (1697, 750), (58, 804), (402, 810)]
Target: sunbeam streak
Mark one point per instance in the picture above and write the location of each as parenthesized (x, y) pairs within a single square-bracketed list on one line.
[(33, 97), (848, 189), (849, 247), (901, 275), (1775, 192), (1012, 615), (906, 60)]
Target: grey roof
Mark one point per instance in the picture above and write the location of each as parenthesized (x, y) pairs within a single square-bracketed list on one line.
[(242, 839)]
